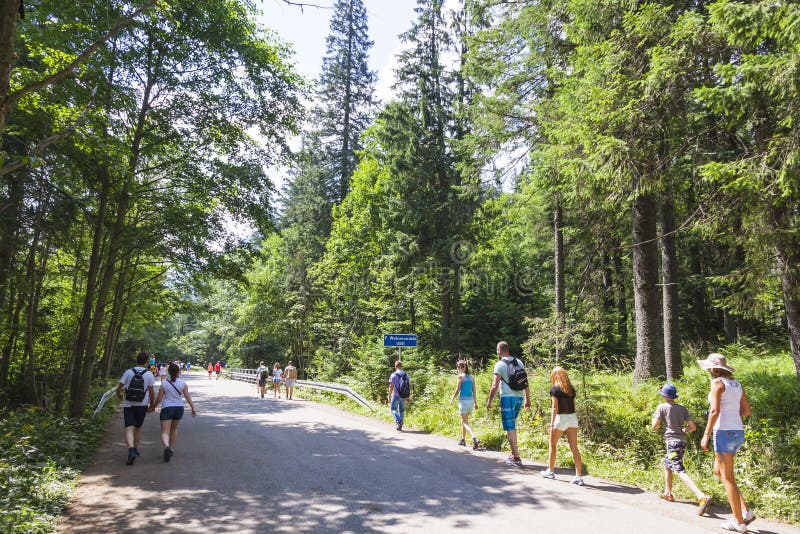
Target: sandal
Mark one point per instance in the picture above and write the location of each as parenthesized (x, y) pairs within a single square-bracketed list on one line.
[(667, 497)]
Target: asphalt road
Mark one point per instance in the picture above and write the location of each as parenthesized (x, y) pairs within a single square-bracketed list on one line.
[(247, 464)]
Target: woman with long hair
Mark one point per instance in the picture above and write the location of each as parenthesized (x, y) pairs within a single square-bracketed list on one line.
[(729, 405), (172, 392), (466, 393), (277, 378), (563, 419)]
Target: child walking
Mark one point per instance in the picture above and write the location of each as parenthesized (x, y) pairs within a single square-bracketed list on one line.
[(677, 422), (465, 391)]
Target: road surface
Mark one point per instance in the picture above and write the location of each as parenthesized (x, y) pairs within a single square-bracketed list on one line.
[(247, 464)]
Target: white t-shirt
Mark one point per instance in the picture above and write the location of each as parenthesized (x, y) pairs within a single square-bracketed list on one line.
[(277, 374), (149, 381), (173, 392), (163, 371)]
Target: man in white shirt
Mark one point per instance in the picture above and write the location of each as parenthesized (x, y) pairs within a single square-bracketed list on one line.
[(138, 385)]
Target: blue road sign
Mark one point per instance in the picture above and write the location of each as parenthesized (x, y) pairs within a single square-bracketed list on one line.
[(399, 340)]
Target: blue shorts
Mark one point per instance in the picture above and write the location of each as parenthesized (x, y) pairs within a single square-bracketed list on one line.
[(134, 415), (509, 409), (728, 440), (171, 412)]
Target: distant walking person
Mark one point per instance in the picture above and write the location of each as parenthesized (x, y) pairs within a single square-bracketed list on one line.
[(210, 370), (512, 381), (728, 405), (171, 394), (277, 378), (262, 374), (138, 385), (677, 423), (563, 419), (217, 369), (290, 372), (466, 393), (399, 393)]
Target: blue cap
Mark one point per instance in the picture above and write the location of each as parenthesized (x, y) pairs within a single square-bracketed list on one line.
[(669, 391)]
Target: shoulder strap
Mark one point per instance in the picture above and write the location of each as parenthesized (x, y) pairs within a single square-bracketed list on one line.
[(171, 383)]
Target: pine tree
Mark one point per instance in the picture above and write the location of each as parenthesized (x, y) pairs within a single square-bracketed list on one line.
[(345, 94)]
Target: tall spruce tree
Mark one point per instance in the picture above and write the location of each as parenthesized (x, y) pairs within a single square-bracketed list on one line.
[(346, 103)]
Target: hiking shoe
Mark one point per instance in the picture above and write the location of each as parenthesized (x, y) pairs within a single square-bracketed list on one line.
[(475, 444), (578, 481), (462, 442), (733, 526), (749, 517), (514, 460), (167, 454), (547, 473), (131, 458), (703, 504)]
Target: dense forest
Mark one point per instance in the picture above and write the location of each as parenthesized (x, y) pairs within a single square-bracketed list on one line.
[(606, 184)]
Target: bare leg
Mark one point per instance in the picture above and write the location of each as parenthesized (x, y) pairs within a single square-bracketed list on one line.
[(465, 426), (165, 425), (512, 440), (684, 476), (137, 436), (724, 466), (667, 481), (555, 435), (572, 438), (129, 439), (173, 433)]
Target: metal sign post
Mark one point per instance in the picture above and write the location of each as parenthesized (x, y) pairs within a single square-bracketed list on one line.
[(400, 341)]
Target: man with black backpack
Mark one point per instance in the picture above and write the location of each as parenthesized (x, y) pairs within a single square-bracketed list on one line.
[(138, 385), (399, 393), (512, 380)]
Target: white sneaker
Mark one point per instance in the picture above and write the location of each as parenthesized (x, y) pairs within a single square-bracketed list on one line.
[(733, 526), (578, 481), (749, 517), (548, 474)]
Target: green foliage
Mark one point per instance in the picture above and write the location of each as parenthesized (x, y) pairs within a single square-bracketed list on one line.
[(41, 456)]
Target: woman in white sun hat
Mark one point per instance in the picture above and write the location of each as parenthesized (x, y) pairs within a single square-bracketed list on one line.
[(728, 405)]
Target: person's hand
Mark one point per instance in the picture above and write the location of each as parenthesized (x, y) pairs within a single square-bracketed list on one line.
[(527, 404), (151, 408), (194, 413), (704, 443)]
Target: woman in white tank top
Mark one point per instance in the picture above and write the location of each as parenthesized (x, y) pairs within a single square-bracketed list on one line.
[(728, 405)]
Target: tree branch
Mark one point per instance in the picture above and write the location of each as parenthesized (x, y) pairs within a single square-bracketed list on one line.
[(53, 78)]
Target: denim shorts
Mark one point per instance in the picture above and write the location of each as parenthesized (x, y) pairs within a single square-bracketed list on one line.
[(728, 440), (171, 412), (466, 405), (566, 420)]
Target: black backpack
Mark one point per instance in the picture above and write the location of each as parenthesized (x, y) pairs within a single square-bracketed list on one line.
[(264, 374), (135, 390), (517, 377), (405, 386)]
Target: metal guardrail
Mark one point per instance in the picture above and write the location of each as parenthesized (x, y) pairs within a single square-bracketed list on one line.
[(249, 375)]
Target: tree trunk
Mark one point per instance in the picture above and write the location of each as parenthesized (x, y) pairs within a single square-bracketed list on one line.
[(787, 248), (117, 307), (13, 332), (9, 11), (622, 303), (9, 229), (698, 291), (649, 354), (669, 277), (558, 260)]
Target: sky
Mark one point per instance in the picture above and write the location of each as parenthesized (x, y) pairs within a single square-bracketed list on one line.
[(306, 29)]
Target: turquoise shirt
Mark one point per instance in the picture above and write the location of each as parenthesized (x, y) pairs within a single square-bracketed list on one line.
[(466, 388)]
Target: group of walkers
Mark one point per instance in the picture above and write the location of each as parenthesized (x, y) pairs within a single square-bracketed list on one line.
[(286, 376), (727, 400), (139, 399)]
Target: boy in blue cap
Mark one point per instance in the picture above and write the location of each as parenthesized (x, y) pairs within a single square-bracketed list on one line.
[(675, 416)]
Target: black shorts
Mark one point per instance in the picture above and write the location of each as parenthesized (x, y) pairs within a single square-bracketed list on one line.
[(134, 415), (262, 382)]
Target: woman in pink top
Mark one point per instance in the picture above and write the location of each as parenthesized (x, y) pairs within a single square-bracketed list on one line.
[(728, 405)]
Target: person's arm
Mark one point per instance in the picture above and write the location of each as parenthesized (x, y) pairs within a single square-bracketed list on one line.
[(744, 406), (553, 411), (527, 397), (475, 392), (155, 401), (119, 390), (391, 390), (458, 388), (717, 387), (189, 399), (656, 421), (493, 391), (690, 426)]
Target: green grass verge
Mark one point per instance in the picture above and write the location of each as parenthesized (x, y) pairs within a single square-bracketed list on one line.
[(41, 457), (615, 437)]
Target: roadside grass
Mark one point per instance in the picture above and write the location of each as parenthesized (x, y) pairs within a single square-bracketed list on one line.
[(41, 457), (615, 437)]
